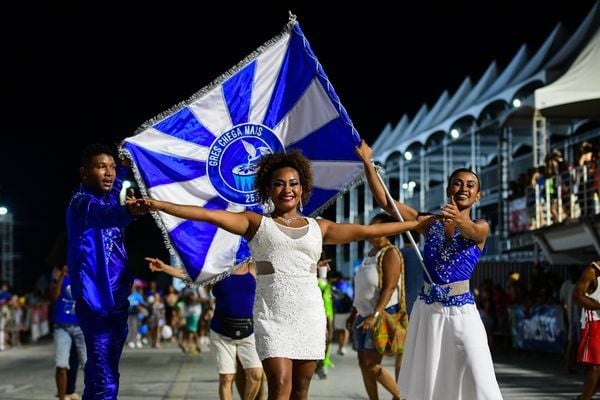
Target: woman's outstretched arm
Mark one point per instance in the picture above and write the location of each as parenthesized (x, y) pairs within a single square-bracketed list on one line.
[(237, 223), (334, 233), (365, 153), (157, 265)]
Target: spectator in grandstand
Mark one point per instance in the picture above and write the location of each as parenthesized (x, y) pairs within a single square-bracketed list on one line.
[(556, 184), (589, 178)]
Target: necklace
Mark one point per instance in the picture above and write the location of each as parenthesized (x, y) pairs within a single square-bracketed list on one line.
[(288, 221)]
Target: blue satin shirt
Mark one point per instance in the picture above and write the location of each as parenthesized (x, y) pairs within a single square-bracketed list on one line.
[(97, 259)]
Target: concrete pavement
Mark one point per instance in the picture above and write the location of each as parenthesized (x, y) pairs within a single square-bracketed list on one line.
[(167, 373)]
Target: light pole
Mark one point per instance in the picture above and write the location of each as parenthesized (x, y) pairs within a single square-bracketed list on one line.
[(6, 245)]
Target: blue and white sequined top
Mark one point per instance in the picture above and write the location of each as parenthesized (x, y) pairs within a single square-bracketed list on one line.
[(447, 262)]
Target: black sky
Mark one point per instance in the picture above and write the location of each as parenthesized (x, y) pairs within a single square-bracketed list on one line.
[(80, 74)]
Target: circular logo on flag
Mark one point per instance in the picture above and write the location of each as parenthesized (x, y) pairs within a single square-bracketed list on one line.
[(233, 158)]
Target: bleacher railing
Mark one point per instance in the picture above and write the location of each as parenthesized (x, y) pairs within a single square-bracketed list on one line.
[(557, 198)]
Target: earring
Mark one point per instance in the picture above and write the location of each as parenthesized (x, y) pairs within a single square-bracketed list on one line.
[(300, 206)]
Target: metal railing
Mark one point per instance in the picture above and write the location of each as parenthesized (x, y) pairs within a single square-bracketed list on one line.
[(557, 198)]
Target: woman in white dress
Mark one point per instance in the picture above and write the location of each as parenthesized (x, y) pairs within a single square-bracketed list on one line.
[(289, 314)]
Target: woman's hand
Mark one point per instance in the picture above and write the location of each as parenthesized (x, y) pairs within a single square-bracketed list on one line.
[(451, 213), (137, 207), (477, 231), (364, 152), (155, 264), (324, 263), (422, 222), (154, 205), (367, 323)]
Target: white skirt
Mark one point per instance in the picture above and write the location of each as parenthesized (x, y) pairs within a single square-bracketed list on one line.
[(289, 317), (446, 355)]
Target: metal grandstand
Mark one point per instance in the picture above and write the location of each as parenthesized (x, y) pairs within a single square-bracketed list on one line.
[(504, 126)]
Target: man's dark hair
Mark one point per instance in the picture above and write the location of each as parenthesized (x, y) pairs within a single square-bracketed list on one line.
[(93, 150)]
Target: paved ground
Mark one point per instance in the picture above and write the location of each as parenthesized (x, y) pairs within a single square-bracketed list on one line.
[(166, 373)]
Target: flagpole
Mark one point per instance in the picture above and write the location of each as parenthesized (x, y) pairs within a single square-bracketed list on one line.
[(399, 217)]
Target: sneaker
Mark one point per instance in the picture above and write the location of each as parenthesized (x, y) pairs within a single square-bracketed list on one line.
[(131, 345), (341, 351), (139, 344), (73, 396)]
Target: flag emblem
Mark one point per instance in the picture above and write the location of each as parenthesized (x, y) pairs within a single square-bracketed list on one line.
[(233, 158), (205, 151)]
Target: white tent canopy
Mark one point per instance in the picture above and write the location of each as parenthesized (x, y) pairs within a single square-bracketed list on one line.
[(577, 92)]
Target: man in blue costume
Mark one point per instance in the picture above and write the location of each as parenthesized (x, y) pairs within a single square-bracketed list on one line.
[(97, 266)]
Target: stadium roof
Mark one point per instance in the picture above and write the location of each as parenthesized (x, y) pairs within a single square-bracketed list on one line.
[(497, 88)]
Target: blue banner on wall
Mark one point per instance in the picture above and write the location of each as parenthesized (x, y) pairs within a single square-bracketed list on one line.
[(539, 330)]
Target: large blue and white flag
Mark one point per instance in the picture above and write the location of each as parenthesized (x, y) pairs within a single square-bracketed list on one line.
[(205, 151)]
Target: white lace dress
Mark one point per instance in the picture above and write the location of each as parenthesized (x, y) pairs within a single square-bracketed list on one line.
[(289, 315)]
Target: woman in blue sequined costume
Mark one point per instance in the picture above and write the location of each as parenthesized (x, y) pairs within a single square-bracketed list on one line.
[(446, 354)]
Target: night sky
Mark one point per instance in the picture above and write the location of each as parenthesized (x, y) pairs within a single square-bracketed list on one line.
[(74, 75)]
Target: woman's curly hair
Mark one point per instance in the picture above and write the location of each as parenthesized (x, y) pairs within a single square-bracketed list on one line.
[(272, 162)]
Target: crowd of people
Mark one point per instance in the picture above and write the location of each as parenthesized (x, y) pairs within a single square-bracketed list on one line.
[(23, 316), (561, 189)]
